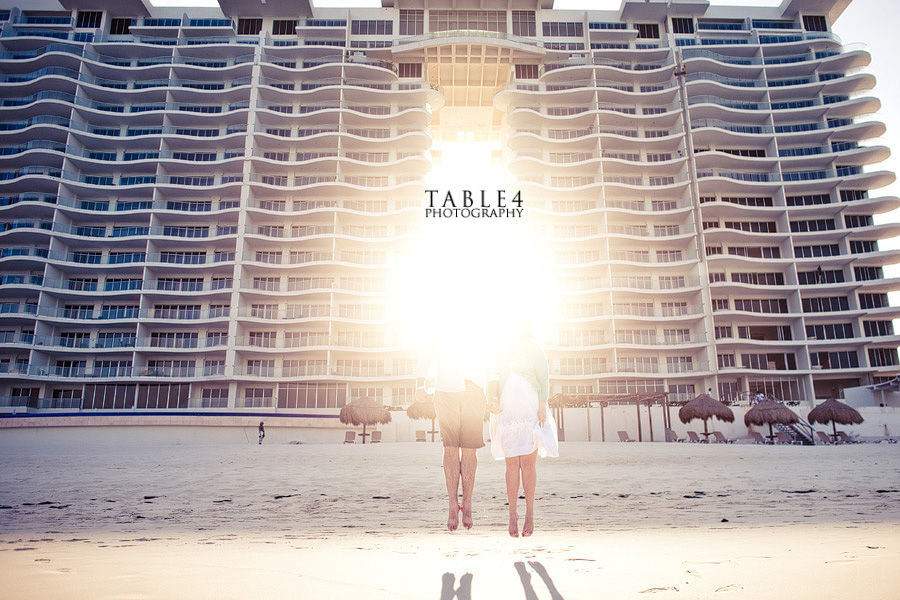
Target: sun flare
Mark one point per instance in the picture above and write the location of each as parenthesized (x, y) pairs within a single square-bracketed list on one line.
[(472, 277)]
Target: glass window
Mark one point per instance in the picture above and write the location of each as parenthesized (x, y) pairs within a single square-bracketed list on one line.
[(682, 25), (523, 23), (412, 22), (284, 27), (249, 26)]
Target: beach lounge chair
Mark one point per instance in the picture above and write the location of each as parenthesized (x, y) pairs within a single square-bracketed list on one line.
[(823, 437), (420, 435), (623, 437), (694, 438), (350, 437), (843, 438), (783, 438), (671, 436), (376, 437), (721, 439), (757, 437)]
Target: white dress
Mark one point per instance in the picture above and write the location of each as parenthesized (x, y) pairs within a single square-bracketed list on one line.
[(516, 430)]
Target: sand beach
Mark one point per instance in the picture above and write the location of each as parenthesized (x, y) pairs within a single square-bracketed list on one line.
[(140, 513)]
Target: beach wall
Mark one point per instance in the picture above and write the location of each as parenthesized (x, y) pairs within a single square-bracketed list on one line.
[(580, 425)]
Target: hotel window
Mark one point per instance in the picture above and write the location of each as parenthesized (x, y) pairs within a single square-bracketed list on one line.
[(851, 221), (647, 30), (284, 27), (814, 23), (829, 331), (724, 332), (868, 273), (629, 386), (527, 72), (403, 396), (818, 277), (852, 195), (679, 364), (862, 246), (846, 359), (673, 309), (882, 357), (412, 22), (312, 395), (720, 304), (214, 398), (258, 397), (475, 20), (120, 26), (523, 23), (563, 29), (812, 225), (264, 311), (677, 336), (765, 305), (249, 26), (873, 301), (372, 27), (411, 70), (682, 25), (876, 328), (216, 338), (89, 19), (176, 311), (262, 367), (263, 339), (827, 304)]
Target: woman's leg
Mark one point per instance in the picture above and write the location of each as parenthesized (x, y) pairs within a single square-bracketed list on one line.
[(512, 493), (529, 482)]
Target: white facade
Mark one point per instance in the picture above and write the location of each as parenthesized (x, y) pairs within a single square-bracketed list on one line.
[(200, 207)]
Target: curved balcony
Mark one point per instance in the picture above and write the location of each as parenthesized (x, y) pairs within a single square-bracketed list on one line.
[(583, 92)]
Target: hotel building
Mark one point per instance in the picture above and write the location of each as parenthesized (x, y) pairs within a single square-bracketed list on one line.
[(201, 208)]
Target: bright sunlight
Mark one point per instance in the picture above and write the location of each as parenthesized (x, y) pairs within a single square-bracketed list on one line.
[(472, 278)]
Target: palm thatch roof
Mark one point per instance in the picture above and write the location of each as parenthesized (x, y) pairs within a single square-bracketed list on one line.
[(836, 412), (365, 411), (770, 412), (421, 410), (705, 407)]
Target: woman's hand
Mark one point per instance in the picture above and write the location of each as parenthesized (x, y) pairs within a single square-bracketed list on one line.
[(542, 413), (494, 405)]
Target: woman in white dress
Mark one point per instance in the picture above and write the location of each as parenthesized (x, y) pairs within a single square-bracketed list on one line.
[(521, 425)]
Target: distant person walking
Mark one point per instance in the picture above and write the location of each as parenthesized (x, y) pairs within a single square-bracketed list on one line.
[(262, 432)]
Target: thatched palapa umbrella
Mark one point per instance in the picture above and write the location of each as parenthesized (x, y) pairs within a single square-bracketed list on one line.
[(423, 410), (837, 412), (768, 412), (364, 411), (705, 407)]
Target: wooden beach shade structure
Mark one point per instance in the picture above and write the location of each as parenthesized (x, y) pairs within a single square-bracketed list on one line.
[(364, 411), (770, 412), (705, 407), (423, 410), (558, 402), (837, 412)]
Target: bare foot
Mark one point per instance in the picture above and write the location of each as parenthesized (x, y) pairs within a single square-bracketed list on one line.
[(528, 527), (453, 518), (514, 525), (467, 517)]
